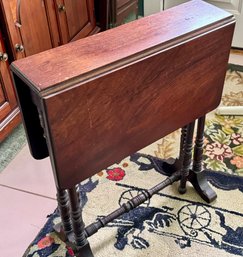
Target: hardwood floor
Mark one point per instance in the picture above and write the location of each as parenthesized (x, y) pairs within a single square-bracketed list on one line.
[(236, 51)]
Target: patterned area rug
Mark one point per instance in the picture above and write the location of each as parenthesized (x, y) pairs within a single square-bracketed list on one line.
[(11, 146), (169, 224)]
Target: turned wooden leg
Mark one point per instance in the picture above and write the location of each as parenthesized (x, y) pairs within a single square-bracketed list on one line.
[(198, 148), (197, 177), (81, 243), (187, 157), (182, 143), (171, 165), (76, 216), (64, 210)]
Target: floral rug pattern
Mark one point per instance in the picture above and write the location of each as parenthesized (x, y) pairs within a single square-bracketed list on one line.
[(224, 144), (180, 225), (224, 134)]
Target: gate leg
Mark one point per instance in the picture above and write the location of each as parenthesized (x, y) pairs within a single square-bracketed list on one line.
[(64, 209), (81, 243), (187, 157), (197, 176)]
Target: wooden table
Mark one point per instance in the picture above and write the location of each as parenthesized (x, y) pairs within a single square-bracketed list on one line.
[(91, 103)]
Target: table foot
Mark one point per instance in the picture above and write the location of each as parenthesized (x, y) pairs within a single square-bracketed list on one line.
[(182, 190), (58, 228), (84, 251), (198, 180), (202, 187)]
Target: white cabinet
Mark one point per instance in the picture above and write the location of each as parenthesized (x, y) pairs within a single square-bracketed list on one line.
[(236, 8), (152, 6), (233, 6)]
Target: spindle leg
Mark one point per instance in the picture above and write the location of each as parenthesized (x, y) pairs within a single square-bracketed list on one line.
[(198, 148), (64, 210), (81, 243), (197, 176), (182, 143), (187, 158)]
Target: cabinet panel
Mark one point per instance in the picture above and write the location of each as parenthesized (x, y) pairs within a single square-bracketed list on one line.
[(39, 25), (27, 25), (76, 19), (2, 98), (120, 3), (9, 112), (121, 10), (52, 19), (5, 80), (5, 110), (9, 13), (34, 30)]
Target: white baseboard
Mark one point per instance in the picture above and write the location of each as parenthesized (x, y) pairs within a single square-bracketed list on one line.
[(230, 110)]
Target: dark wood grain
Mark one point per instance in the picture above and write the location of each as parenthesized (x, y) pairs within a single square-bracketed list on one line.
[(102, 102), (116, 115), (93, 56)]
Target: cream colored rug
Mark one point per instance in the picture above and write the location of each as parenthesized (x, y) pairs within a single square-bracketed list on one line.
[(169, 224)]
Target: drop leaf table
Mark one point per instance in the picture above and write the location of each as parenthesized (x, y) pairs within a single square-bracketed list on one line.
[(90, 103)]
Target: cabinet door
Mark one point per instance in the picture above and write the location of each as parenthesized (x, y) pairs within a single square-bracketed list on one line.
[(9, 113), (9, 15), (28, 26), (123, 11), (7, 95), (34, 28), (76, 19)]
